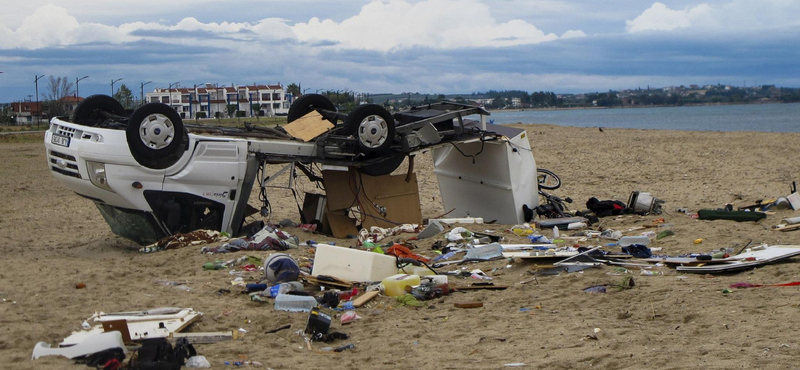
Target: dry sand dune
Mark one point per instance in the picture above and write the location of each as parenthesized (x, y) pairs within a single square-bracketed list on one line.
[(55, 239)]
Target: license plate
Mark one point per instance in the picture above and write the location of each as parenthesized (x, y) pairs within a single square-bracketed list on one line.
[(60, 140)]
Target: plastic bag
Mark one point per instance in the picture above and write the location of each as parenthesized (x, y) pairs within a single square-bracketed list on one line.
[(198, 362)]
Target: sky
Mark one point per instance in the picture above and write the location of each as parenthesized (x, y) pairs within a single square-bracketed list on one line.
[(427, 46)]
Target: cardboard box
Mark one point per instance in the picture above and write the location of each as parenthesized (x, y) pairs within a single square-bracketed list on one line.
[(372, 194)]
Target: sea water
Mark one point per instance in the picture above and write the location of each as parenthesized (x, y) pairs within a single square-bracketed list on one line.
[(746, 117)]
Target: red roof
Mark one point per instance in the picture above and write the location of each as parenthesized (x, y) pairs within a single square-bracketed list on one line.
[(71, 99)]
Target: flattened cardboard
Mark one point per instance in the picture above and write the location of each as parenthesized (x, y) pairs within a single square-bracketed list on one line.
[(399, 198), (339, 224), (339, 190), (308, 127)]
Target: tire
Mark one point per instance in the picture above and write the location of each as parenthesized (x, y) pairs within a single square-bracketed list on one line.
[(87, 112), (547, 179), (156, 136), (384, 167), (307, 103), (373, 126)]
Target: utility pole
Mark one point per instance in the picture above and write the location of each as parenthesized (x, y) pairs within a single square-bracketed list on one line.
[(141, 92), (39, 111), (77, 91), (112, 85)]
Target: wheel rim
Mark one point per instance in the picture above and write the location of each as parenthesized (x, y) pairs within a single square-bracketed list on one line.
[(156, 131), (373, 131)]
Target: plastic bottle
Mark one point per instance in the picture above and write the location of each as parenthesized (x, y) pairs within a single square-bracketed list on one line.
[(539, 239), (444, 256), (294, 303), (213, 265), (282, 288), (395, 285), (576, 226), (556, 234), (346, 295)]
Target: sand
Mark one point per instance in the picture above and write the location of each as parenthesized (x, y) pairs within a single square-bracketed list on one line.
[(55, 239)]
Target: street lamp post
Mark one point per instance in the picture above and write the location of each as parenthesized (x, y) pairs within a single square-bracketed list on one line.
[(112, 85), (141, 91), (39, 111), (77, 90)]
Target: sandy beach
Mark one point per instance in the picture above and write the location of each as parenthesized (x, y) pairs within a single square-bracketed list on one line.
[(55, 239)]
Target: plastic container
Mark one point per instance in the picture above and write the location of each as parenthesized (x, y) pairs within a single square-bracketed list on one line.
[(577, 226), (395, 285), (352, 264), (631, 240), (415, 270), (294, 303), (434, 279), (485, 252)]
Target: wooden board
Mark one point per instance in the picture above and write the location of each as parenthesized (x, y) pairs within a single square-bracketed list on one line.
[(364, 298), (337, 283), (789, 228), (308, 127), (120, 326)]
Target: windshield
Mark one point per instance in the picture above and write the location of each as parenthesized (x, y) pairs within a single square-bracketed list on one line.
[(138, 226)]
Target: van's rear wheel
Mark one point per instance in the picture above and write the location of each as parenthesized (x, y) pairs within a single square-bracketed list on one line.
[(307, 103), (156, 136), (93, 110)]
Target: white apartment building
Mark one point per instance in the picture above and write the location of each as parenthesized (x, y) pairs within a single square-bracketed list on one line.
[(208, 101)]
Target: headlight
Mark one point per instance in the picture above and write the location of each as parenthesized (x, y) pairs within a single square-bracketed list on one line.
[(97, 175)]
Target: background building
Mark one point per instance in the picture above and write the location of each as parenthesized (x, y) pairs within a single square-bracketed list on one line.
[(224, 101)]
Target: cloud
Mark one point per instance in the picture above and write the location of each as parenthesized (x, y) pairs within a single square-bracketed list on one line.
[(51, 25), (439, 24), (660, 18), (572, 34), (381, 26), (733, 17)]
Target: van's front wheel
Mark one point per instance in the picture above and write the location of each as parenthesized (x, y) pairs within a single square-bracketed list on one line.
[(156, 136)]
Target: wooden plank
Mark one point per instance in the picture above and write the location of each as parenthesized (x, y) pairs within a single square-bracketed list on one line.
[(205, 338), (788, 228), (364, 298), (336, 283), (482, 287), (468, 304)]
